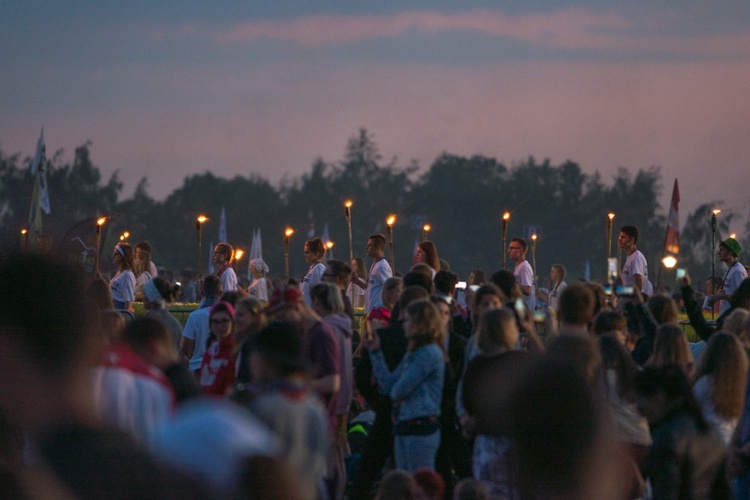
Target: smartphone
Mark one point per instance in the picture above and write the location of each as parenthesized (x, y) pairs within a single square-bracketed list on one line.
[(681, 273), (625, 291), (520, 309), (608, 289), (539, 316), (461, 285)]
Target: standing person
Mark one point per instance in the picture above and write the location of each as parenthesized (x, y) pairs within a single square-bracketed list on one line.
[(222, 258), (314, 251), (142, 272), (248, 321), (415, 386), (339, 273), (196, 333), (635, 269), (122, 285), (157, 295), (729, 250), (557, 277), (427, 254), (217, 370), (380, 271), (258, 289), (145, 246), (354, 292), (523, 272)]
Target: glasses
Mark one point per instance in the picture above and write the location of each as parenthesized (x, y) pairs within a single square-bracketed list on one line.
[(220, 321)]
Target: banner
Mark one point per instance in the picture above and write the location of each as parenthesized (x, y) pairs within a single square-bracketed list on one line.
[(672, 238), (79, 244)]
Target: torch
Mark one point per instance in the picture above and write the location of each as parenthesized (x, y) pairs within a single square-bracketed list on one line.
[(533, 256), (238, 253), (99, 223), (287, 234), (714, 215), (425, 231), (506, 218), (390, 222), (348, 214), (199, 221), (24, 239)]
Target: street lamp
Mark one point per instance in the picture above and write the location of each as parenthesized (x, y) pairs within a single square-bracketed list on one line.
[(348, 215), (669, 261), (506, 218), (99, 223), (425, 230), (287, 234), (390, 222), (199, 221)]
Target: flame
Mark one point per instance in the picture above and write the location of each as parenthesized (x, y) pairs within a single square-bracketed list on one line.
[(201, 219), (348, 203), (506, 216), (611, 215), (391, 220), (289, 231)]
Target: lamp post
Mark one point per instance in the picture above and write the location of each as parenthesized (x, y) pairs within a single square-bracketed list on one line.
[(287, 234), (506, 218), (389, 223), (99, 223), (714, 215), (425, 231), (348, 215), (199, 221), (533, 257), (24, 239)]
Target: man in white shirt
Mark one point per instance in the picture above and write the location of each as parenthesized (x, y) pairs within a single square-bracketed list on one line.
[(196, 332), (222, 259), (635, 269), (379, 272), (523, 272)]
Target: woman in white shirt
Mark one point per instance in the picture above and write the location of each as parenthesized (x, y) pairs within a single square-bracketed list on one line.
[(122, 285)]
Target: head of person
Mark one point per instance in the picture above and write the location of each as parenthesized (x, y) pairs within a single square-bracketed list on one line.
[(123, 257), (664, 390), (430, 484), (142, 246), (212, 286), (476, 277), (142, 262), (314, 250), (375, 246), (725, 361), (734, 321), (326, 299), (397, 485), (628, 237), (391, 292), (286, 304), (248, 316), (221, 320), (729, 250), (427, 254), (619, 361), (470, 489), (151, 340), (498, 331), (419, 278), (517, 249), (445, 281), (358, 267), (576, 306), (506, 281), (48, 336), (223, 254), (157, 293), (99, 292), (445, 311), (411, 294), (276, 352), (600, 296), (557, 273), (338, 272), (664, 309), (713, 283), (671, 348), (231, 297), (486, 298), (258, 268), (611, 323), (423, 325), (423, 268)]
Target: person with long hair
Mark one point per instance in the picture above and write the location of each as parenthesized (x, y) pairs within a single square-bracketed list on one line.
[(157, 295), (314, 251), (142, 272), (671, 348), (719, 382), (354, 291), (217, 372), (415, 386), (427, 254), (122, 285)]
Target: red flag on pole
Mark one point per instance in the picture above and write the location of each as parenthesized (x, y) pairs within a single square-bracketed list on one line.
[(672, 239)]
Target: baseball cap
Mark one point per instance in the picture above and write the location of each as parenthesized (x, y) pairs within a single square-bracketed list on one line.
[(282, 297)]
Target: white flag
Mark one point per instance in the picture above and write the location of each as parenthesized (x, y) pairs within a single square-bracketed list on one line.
[(39, 169), (223, 226)]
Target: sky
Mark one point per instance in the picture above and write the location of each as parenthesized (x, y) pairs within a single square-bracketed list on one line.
[(173, 88)]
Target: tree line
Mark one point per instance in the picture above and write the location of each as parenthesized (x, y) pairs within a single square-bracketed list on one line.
[(462, 198)]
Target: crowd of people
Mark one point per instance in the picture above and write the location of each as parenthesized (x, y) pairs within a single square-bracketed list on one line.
[(356, 382)]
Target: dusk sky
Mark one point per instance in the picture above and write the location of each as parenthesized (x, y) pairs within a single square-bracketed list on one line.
[(170, 88)]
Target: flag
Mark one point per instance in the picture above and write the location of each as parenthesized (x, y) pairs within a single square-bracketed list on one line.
[(256, 252), (672, 238), (587, 271), (310, 224), (79, 244), (223, 226), (211, 269), (40, 194)]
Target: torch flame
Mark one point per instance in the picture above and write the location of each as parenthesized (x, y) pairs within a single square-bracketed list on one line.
[(348, 203), (201, 219), (427, 228), (391, 220), (238, 253), (100, 221), (716, 211), (533, 237), (506, 216), (611, 215), (329, 244), (289, 231)]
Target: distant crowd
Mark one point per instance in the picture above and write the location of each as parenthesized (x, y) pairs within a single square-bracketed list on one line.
[(355, 382)]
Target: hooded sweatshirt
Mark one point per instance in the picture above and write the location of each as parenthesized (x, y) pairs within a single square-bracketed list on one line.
[(342, 326)]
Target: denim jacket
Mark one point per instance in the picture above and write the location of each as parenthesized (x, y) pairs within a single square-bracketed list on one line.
[(416, 385)]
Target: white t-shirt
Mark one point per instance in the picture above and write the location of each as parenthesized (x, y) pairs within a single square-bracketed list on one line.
[(228, 280), (356, 295), (259, 289), (380, 271), (122, 287), (732, 279), (313, 277), (153, 270), (141, 281), (198, 330), (525, 277), (636, 264), (554, 296)]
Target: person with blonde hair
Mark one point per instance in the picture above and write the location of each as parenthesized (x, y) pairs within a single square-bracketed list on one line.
[(415, 386), (258, 289), (719, 382)]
